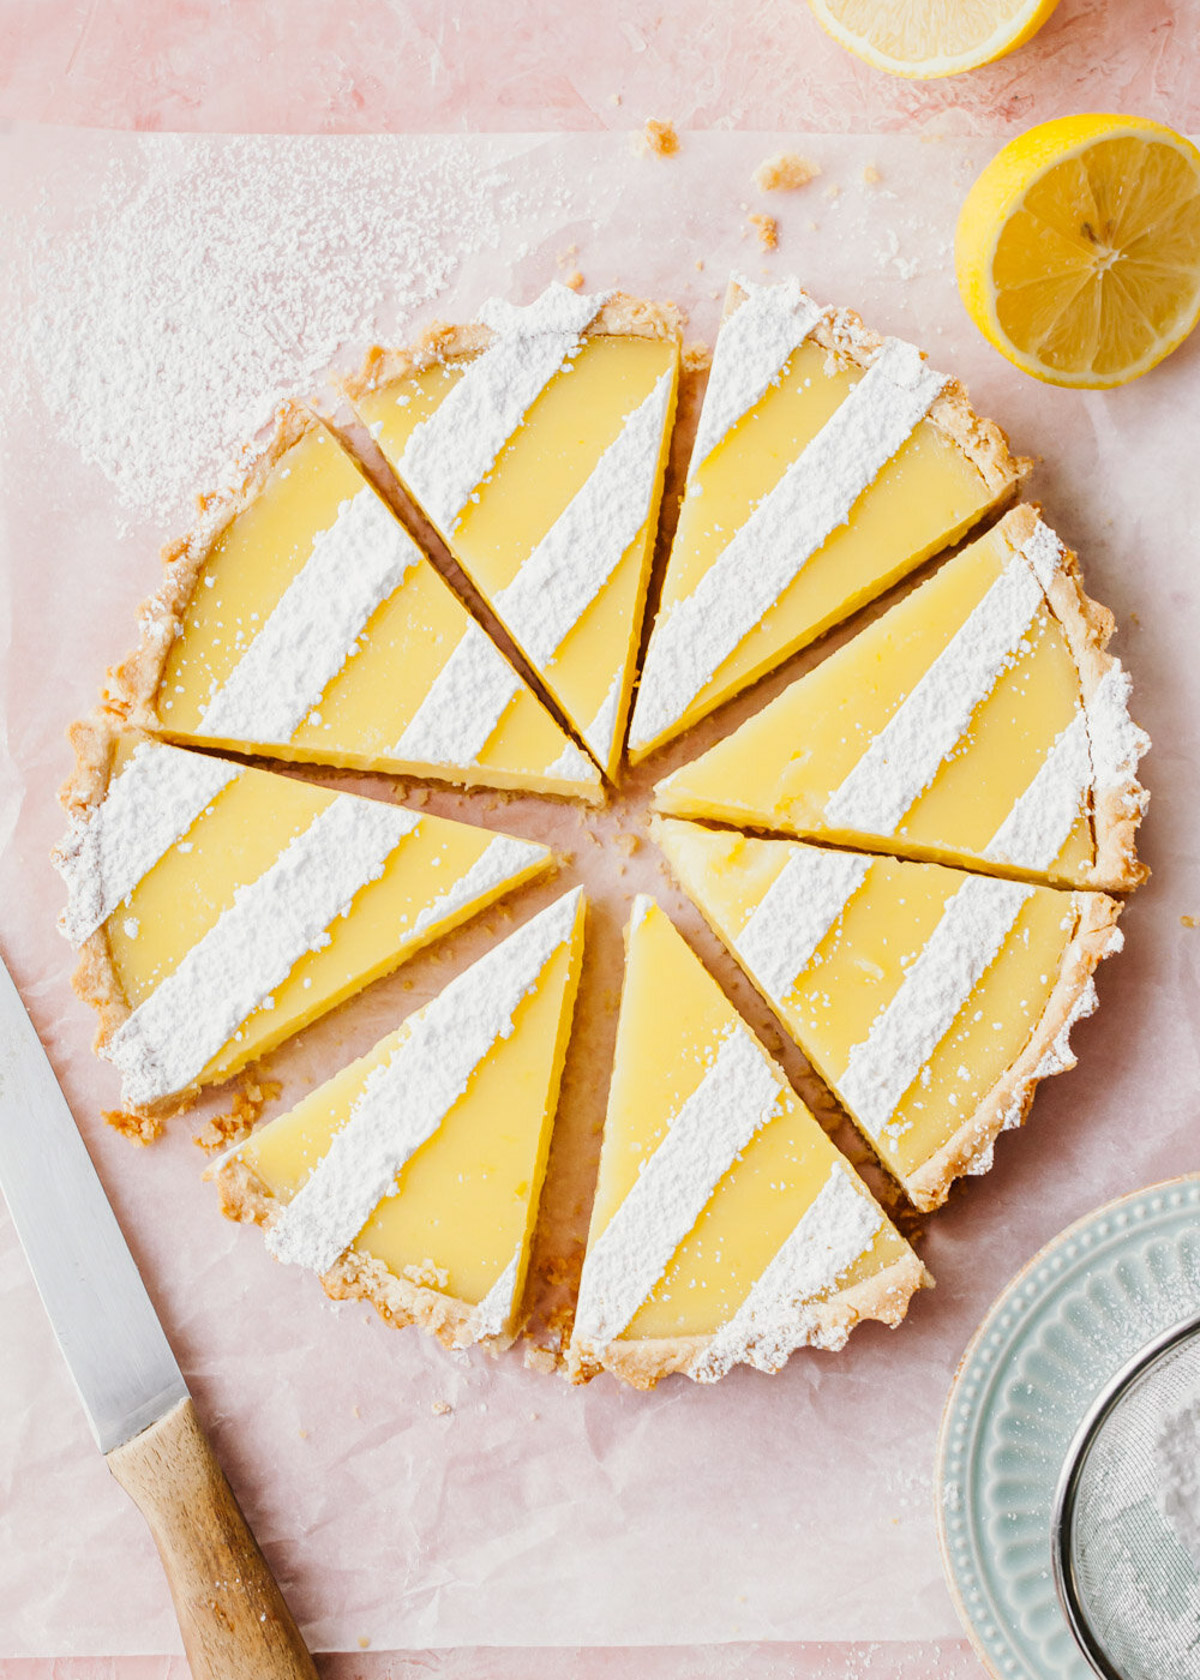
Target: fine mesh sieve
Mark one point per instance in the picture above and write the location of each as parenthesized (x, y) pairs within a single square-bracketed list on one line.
[(1126, 1536)]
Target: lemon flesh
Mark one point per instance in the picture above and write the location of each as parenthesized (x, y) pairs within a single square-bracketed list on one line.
[(929, 38), (1078, 249)]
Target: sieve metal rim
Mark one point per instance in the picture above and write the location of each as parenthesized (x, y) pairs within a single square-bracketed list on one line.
[(1063, 1510)]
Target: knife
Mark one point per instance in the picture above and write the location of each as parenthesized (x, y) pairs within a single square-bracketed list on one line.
[(232, 1616)]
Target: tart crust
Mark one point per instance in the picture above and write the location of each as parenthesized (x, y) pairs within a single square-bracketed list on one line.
[(644, 1362), (1046, 1051), (1088, 628), (621, 316), (399, 1301)]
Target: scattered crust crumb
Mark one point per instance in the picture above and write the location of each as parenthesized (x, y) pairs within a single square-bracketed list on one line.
[(427, 1275), (1135, 621), (696, 356), (542, 1359), (138, 1128), (768, 230), (303, 1434), (833, 191), (364, 1644), (356, 1411), (871, 175), (658, 139), (1189, 922), (628, 843), (699, 265), (223, 1130), (565, 255), (614, 99), (785, 172), (441, 1408), (574, 280), (418, 796)]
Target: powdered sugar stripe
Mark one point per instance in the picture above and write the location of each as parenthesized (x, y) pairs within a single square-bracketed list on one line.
[(579, 553), (601, 733), (148, 807), (966, 941), (815, 495), (1115, 741), (354, 566), (453, 451), (405, 1099), (463, 706), (252, 947), (493, 1315), (795, 913), (504, 858), (776, 1317), (737, 1095), (571, 765), (753, 347), (1037, 828), (902, 760)]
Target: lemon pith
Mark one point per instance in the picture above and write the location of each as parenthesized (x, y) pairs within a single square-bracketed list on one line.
[(925, 39), (1078, 248)]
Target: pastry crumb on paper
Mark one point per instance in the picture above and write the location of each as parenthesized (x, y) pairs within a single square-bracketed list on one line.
[(785, 172), (657, 139), (767, 228), (139, 1128)]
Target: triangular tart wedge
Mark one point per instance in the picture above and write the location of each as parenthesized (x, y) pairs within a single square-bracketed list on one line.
[(726, 1229), (978, 722), (411, 1179), (930, 1001), (219, 908), (300, 620), (535, 441), (828, 463)]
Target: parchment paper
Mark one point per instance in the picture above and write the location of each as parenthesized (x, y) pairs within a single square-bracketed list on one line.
[(792, 1508)]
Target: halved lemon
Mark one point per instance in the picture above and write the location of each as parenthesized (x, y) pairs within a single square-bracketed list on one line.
[(1078, 248), (927, 38)]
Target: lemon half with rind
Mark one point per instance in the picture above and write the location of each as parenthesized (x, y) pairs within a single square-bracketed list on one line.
[(929, 38), (1078, 248)]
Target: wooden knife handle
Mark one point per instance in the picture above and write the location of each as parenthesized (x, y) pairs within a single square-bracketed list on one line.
[(234, 1622)]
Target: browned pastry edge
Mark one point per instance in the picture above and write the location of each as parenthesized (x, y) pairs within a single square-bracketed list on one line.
[(399, 1301), (1088, 628), (644, 1362), (621, 316), (1046, 1051)]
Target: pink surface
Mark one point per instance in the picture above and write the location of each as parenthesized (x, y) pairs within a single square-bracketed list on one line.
[(76, 1571), (421, 65)]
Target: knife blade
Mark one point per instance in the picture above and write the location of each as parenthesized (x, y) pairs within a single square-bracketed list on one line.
[(231, 1613)]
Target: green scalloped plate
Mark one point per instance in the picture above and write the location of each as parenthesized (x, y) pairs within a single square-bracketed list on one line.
[(1064, 1326)]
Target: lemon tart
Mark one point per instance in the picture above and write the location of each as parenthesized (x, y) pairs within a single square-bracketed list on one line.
[(929, 1000), (219, 908), (828, 462), (411, 1178), (726, 1227), (300, 620), (535, 441), (978, 722)]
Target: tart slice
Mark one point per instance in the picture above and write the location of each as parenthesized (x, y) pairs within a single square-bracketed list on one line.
[(828, 463), (411, 1178), (219, 909), (929, 1000), (535, 441), (301, 621), (978, 722), (726, 1227)]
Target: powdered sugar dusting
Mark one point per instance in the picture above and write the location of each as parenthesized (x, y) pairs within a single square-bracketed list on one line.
[(796, 912), (463, 705), (203, 283)]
